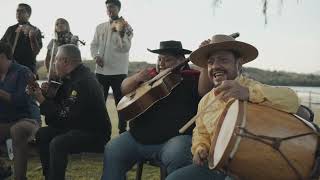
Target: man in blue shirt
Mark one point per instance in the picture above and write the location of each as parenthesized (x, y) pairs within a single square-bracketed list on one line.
[(16, 107)]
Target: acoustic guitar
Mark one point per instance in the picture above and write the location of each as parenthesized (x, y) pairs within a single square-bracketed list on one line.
[(138, 101), (147, 94)]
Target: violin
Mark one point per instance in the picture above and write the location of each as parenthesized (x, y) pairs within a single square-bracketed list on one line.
[(27, 28), (68, 38), (119, 25)]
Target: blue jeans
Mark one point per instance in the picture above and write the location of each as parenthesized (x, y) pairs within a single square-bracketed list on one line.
[(124, 151), (35, 111), (193, 171)]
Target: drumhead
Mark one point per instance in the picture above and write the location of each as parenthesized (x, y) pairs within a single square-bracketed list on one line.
[(226, 132)]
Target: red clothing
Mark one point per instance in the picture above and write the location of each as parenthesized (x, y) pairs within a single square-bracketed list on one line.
[(163, 120)]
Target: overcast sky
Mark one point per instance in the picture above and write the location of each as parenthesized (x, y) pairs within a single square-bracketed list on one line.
[(290, 41)]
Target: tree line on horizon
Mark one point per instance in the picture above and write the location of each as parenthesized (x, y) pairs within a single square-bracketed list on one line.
[(275, 78)]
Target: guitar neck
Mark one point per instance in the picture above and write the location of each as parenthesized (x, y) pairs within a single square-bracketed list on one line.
[(169, 70), (178, 66)]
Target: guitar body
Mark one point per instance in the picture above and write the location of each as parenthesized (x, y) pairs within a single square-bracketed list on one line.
[(137, 102)]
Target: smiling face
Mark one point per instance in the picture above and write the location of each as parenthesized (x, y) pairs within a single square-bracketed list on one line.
[(166, 61), (223, 65)]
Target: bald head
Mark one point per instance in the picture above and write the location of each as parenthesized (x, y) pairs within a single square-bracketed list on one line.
[(71, 52)]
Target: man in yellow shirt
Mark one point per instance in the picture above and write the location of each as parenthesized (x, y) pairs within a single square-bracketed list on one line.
[(223, 57)]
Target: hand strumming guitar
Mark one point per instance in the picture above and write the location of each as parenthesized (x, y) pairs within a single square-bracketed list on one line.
[(143, 76)]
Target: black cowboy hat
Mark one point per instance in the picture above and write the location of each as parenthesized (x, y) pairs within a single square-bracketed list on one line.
[(172, 47)]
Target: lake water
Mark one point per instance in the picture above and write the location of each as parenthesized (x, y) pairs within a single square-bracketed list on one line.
[(306, 89), (309, 96)]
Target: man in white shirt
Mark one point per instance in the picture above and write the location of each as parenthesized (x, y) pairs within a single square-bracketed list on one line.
[(110, 49)]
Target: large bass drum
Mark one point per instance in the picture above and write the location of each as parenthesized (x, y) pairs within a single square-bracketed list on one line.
[(259, 142)]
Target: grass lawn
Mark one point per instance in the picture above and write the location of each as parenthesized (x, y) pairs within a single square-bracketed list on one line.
[(89, 167)]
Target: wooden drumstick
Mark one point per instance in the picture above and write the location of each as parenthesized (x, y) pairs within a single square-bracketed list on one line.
[(189, 123), (235, 35), (205, 110)]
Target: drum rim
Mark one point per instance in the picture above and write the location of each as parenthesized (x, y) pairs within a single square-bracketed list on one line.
[(225, 157)]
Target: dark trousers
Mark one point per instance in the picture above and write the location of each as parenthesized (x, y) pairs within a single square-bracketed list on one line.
[(115, 82), (55, 145)]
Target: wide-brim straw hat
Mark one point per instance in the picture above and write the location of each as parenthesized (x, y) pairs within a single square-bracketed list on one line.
[(223, 42)]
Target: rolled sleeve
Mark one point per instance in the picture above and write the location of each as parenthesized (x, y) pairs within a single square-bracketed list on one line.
[(200, 137)]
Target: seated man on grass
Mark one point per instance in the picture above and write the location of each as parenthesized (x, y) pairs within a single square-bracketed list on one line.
[(19, 115), (77, 118)]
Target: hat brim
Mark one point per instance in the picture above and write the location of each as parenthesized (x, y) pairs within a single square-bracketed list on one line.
[(170, 50), (200, 56)]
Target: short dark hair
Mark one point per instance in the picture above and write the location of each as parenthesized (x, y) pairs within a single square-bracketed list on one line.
[(28, 8), (115, 2), (6, 49)]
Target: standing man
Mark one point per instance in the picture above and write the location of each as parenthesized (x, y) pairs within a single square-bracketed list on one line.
[(77, 117), (25, 41), (110, 49), (154, 135), (223, 58), (16, 108), (24, 38)]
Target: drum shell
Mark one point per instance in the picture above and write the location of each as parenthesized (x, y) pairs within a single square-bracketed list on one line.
[(254, 159)]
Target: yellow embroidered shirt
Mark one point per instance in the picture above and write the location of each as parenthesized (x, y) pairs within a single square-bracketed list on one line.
[(281, 98)]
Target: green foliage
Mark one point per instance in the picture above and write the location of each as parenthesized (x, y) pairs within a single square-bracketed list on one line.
[(282, 78)]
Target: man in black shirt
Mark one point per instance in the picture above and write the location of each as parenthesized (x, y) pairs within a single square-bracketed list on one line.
[(24, 38), (154, 134), (77, 117)]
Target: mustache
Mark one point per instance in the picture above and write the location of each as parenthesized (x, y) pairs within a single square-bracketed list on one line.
[(212, 71)]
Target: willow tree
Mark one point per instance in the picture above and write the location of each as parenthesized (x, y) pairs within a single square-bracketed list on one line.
[(264, 9)]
